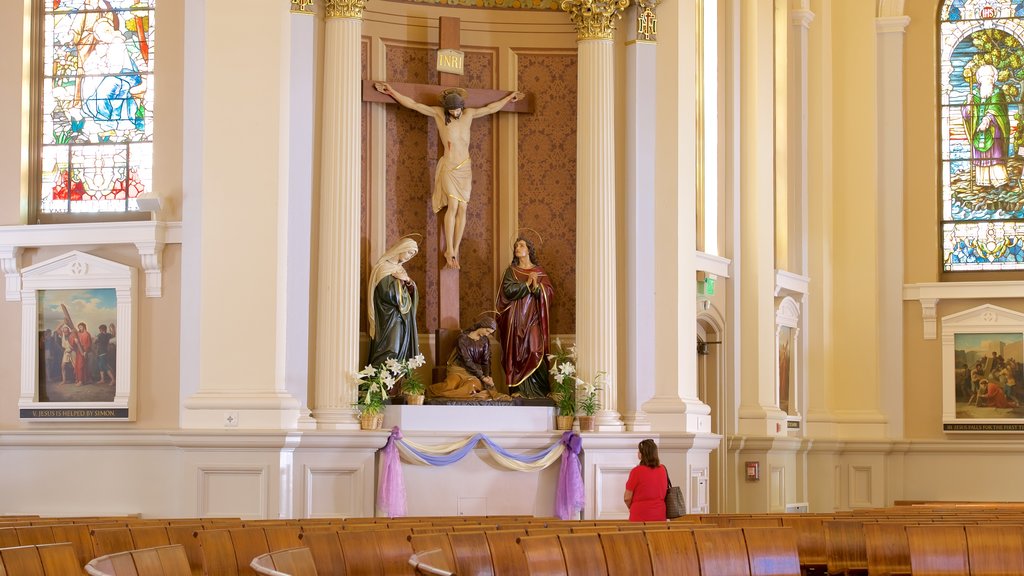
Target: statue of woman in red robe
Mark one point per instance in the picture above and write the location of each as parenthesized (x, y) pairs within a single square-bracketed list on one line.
[(524, 304)]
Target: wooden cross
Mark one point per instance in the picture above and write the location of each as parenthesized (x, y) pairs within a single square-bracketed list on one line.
[(445, 311)]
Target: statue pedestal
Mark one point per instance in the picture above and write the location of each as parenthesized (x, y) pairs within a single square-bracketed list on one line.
[(477, 418)]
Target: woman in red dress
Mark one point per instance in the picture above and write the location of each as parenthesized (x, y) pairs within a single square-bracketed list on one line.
[(647, 485)]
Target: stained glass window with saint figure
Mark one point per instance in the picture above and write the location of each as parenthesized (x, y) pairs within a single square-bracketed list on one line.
[(981, 79), (97, 97)]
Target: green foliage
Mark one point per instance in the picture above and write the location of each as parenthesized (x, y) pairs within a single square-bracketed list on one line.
[(375, 382), (1000, 49), (587, 395)]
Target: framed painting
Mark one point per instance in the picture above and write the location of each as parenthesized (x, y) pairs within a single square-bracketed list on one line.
[(983, 370), (77, 345)]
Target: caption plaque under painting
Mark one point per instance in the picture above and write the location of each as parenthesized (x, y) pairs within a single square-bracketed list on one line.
[(77, 344)]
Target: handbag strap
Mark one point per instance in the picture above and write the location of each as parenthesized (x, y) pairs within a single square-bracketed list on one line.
[(667, 477)]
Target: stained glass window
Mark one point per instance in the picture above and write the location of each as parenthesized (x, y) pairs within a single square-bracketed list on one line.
[(97, 97)]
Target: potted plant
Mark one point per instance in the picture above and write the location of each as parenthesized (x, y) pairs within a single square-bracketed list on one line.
[(412, 386), (563, 389), (588, 402), (374, 384)]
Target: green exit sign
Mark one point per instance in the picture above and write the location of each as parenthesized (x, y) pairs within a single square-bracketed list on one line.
[(709, 286)]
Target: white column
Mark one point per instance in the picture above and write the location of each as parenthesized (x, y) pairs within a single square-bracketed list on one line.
[(641, 56), (337, 340), (890, 30), (295, 212), (758, 414), (596, 322), (675, 405)]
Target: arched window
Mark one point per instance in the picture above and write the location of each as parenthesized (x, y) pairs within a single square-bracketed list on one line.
[(981, 79), (97, 105)]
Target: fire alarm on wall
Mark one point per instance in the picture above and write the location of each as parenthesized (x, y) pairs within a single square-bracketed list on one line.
[(753, 470)]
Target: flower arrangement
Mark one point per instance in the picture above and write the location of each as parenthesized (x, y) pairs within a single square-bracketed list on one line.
[(563, 375), (411, 384), (376, 382), (588, 402)]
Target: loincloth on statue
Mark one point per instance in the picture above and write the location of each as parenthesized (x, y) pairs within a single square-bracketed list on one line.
[(452, 183)]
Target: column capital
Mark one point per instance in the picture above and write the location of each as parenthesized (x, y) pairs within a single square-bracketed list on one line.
[(801, 18), (594, 19), (303, 7), (344, 8), (890, 24)]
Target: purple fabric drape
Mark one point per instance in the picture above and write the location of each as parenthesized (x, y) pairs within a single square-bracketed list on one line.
[(391, 493), (569, 498)]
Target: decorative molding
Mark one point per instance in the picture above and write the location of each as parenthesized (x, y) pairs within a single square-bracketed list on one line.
[(789, 284), (890, 25), (149, 237), (930, 293), (713, 264), (594, 19), (10, 264), (890, 8), (332, 503), (303, 7), (241, 479), (801, 18), (344, 8)]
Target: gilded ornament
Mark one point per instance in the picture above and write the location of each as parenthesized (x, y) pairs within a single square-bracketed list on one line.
[(344, 8), (594, 19), (646, 22), (303, 7)]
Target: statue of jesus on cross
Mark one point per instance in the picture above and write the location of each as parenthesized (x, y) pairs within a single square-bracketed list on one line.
[(453, 177)]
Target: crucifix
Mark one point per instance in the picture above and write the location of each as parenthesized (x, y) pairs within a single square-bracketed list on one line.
[(453, 110)]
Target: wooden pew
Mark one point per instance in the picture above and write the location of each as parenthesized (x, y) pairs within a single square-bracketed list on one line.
[(326, 551), (722, 551), (292, 561), (810, 543), (995, 549), (471, 552), (159, 561), (626, 554), (937, 549), (39, 560), (424, 543), (772, 551), (583, 555), (886, 547), (845, 551), (673, 552), (507, 556), (543, 555)]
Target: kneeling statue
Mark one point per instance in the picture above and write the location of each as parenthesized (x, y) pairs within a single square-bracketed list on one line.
[(469, 367)]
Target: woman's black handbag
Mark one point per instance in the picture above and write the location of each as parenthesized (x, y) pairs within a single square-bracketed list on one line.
[(675, 506)]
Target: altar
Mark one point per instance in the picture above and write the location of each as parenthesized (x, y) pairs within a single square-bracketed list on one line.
[(471, 418)]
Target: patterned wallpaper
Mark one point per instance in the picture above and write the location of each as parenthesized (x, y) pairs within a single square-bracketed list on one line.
[(547, 175)]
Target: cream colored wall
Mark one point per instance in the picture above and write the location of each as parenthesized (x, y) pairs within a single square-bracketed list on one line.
[(12, 41), (854, 380), (245, 167), (159, 322)]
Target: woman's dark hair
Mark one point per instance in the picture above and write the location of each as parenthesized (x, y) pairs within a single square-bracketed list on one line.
[(529, 246), (486, 322), (649, 453)]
